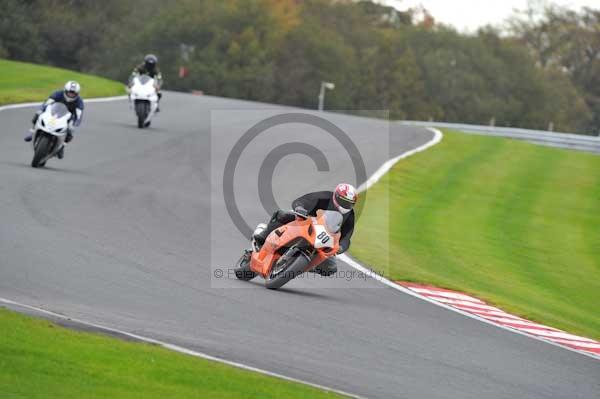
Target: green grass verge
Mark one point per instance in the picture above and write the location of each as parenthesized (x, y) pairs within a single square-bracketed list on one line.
[(23, 82), (510, 222), (39, 359)]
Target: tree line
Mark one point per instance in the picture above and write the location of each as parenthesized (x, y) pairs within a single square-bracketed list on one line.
[(543, 70)]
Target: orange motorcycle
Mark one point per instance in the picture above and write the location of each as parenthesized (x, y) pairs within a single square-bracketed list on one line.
[(292, 249)]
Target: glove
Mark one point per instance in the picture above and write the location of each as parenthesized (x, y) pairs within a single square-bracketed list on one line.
[(301, 212)]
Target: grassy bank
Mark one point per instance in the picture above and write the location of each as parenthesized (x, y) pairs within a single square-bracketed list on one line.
[(24, 82), (511, 222), (39, 359)]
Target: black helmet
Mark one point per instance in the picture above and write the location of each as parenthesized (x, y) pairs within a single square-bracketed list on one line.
[(150, 62)]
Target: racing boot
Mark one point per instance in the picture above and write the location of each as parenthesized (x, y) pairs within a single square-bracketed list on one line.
[(159, 94), (29, 135), (259, 236), (60, 154)]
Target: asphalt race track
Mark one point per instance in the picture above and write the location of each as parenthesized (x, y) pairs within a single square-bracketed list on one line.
[(127, 230)]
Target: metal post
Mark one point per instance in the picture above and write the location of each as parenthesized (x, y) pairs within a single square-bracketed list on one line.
[(324, 85), (321, 96)]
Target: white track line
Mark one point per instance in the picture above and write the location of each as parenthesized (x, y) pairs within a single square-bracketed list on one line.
[(354, 264), (520, 323), (383, 169), (546, 332), (176, 348), (491, 313)]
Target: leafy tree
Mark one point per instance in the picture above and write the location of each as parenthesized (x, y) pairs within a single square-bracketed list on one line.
[(566, 41), (546, 70), (19, 34)]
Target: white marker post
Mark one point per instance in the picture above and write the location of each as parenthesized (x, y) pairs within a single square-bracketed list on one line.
[(324, 85)]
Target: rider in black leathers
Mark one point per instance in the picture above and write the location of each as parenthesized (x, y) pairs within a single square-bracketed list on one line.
[(342, 200), (149, 67)]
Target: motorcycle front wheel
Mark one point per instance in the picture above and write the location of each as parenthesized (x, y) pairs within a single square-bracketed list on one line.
[(42, 147), (294, 265), (142, 109)]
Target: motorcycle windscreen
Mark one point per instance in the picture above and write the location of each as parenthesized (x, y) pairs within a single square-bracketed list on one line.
[(333, 221), (58, 110), (144, 79)]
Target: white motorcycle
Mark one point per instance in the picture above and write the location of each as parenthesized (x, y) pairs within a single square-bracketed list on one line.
[(49, 133), (144, 98)]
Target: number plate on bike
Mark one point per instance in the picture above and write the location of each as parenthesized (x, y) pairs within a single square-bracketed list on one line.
[(322, 239)]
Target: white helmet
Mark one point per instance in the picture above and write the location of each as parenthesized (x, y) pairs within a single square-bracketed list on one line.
[(71, 90), (345, 197)]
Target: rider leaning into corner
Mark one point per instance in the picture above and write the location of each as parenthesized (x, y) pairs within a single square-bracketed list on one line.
[(74, 103), (149, 67), (342, 200)]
